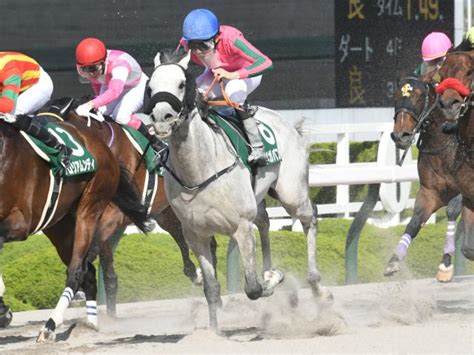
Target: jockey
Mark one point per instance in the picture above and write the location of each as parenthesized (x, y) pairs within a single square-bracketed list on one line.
[(119, 84), (25, 87), (226, 54), (434, 48)]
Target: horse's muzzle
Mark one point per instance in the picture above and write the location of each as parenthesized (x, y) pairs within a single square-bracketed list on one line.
[(402, 140)]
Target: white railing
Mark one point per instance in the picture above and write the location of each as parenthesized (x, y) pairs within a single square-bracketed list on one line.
[(393, 198)]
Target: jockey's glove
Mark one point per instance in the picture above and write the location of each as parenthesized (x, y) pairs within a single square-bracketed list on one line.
[(7, 117), (84, 109), (470, 36)]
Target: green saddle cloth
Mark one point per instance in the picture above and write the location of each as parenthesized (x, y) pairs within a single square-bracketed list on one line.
[(241, 145), (81, 161), (149, 157)]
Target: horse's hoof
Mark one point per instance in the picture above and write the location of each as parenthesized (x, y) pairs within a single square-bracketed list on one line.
[(272, 278), (392, 268), (6, 318), (445, 273), (198, 279), (45, 335), (324, 297)]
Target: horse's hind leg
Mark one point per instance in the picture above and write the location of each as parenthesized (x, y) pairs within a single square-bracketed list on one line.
[(263, 224), (201, 249), (272, 277), (170, 223), (446, 269), (5, 312), (89, 285), (427, 202), (110, 277)]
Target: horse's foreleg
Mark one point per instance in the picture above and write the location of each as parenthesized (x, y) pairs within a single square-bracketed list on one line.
[(467, 246), (201, 249), (446, 269), (427, 202), (84, 232), (170, 223)]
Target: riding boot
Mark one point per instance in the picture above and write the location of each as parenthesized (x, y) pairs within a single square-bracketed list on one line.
[(257, 156), (160, 148), (36, 129)]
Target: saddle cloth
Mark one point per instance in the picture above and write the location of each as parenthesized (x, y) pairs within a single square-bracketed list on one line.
[(140, 143), (81, 162), (241, 145)]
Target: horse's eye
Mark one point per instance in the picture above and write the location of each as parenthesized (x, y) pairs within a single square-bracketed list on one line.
[(181, 86)]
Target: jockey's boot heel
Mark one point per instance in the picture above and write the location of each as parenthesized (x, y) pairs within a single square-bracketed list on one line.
[(257, 156), (156, 144), (37, 130)]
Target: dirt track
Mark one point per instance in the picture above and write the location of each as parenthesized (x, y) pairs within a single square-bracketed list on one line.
[(397, 317)]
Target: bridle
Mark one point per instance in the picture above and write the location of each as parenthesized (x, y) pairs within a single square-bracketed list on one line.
[(420, 118), (183, 108)]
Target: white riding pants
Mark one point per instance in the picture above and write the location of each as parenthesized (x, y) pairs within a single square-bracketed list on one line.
[(128, 103), (238, 89), (35, 97)]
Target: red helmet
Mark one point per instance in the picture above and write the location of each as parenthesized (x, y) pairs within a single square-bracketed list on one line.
[(90, 51)]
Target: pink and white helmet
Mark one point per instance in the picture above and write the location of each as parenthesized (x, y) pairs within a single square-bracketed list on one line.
[(435, 45)]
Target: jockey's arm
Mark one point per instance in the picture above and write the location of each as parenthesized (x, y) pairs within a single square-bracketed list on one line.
[(11, 84), (114, 87), (260, 62)]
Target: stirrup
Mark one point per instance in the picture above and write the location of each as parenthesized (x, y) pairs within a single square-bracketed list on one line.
[(258, 157)]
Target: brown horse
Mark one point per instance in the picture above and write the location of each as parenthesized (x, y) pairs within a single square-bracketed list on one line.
[(456, 104), (113, 222), (25, 189), (416, 111)]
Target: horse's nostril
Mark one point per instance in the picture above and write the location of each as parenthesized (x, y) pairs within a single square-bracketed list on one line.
[(168, 116)]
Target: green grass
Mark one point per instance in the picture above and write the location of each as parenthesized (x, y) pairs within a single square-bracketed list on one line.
[(150, 267)]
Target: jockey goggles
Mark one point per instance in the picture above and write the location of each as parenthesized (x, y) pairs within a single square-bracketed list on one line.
[(201, 46), (430, 66), (90, 69)]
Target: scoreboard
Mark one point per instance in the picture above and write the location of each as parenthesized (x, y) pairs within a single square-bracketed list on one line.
[(379, 41)]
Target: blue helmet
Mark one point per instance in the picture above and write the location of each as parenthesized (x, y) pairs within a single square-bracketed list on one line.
[(200, 24)]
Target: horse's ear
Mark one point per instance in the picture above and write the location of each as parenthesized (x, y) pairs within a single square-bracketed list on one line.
[(184, 62), (157, 60)]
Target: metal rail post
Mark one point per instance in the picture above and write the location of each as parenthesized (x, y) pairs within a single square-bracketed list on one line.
[(353, 234)]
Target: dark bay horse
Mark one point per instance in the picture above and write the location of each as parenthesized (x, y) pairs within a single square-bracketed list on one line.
[(113, 221), (25, 181), (416, 111), (456, 104)]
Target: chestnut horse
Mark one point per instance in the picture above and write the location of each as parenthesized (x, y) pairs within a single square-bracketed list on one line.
[(456, 103), (25, 190), (416, 111), (113, 221)]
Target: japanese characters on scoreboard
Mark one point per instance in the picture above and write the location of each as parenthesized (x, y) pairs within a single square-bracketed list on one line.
[(379, 41)]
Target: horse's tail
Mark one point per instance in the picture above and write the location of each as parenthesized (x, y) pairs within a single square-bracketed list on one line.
[(128, 200), (299, 126)]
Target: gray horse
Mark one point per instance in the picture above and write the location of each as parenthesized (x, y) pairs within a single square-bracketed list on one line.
[(212, 192)]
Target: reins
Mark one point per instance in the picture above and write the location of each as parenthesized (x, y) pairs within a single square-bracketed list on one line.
[(226, 102)]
